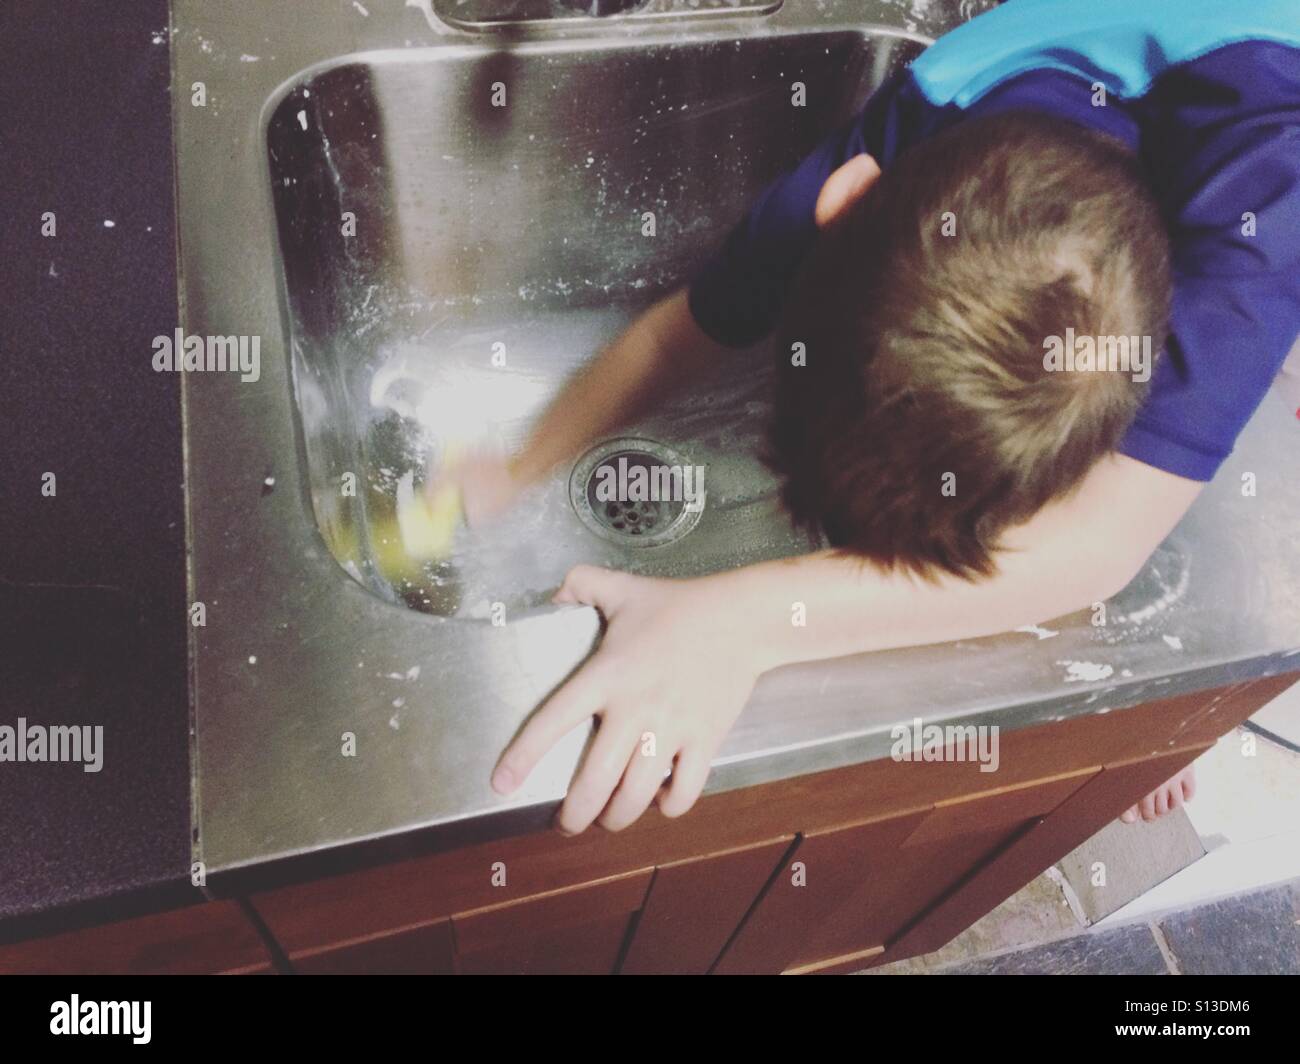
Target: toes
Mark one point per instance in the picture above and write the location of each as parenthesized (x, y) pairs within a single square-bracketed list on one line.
[(1149, 807)]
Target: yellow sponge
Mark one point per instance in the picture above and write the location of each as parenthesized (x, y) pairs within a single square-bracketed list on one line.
[(428, 524)]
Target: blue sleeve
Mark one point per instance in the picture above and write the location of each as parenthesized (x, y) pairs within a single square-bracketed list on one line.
[(1226, 162), (736, 296)]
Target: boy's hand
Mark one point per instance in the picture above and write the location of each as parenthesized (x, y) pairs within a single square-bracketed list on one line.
[(487, 481), (669, 679)]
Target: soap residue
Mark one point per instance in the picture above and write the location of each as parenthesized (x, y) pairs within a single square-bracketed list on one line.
[(1086, 671), (1171, 590)]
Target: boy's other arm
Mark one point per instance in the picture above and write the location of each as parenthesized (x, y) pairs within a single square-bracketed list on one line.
[(680, 657)]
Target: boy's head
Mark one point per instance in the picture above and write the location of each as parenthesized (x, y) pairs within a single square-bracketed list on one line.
[(924, 421)]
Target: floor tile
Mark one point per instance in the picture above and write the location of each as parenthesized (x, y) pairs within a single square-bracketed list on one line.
[(1254, 934)]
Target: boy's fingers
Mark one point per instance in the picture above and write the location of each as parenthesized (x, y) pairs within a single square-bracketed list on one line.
[(576, 701), (640, 782), (843, 187), (689, 775), (590, 585), (601, 770)]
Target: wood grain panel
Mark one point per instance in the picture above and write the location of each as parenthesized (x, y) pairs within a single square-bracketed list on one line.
[(695, 905), (200, 939)]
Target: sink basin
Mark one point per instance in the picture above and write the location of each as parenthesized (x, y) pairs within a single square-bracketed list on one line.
[(448, 263), (423, 270)]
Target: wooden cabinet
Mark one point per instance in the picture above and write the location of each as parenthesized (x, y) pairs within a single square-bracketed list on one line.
[(428, 949), (574, 931), (694, 906), (1049, 838), (846, 892), (211, 938), (829, 872), (816, 883)]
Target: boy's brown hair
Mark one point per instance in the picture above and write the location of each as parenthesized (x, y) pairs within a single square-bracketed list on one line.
[(925, 351)]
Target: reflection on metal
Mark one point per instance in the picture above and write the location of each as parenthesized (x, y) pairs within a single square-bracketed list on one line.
[(550, 15)]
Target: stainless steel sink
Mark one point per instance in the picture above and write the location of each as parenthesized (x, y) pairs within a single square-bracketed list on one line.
[(349, 195), (447, 263)]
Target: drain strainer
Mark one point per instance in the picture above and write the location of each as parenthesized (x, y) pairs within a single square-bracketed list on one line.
[(637, 493)]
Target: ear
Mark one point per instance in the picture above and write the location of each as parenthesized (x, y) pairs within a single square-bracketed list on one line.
[(844, 188)]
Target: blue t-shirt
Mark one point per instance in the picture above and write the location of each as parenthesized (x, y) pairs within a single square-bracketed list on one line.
[(1206, 92)]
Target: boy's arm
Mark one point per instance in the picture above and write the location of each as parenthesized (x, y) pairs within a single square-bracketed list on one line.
[(658, 353), (680, 657), (1079, 551)]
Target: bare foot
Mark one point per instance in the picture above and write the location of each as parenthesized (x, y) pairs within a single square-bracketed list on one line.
[(1165, 798)]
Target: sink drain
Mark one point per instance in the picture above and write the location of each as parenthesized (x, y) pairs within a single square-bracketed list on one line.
[(636, 493)]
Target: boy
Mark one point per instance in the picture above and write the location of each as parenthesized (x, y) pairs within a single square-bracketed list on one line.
[(1114, 171)]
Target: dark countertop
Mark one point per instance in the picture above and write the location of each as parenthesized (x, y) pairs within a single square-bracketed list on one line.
[(92, 581)]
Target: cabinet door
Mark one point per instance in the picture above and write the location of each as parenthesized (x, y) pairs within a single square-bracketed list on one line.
[(1047, 840), (953, 839), (574, 931), (823, 872), (853, 888), (694, 906)]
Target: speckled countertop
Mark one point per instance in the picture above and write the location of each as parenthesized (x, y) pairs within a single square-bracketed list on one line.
[(92, 581)]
